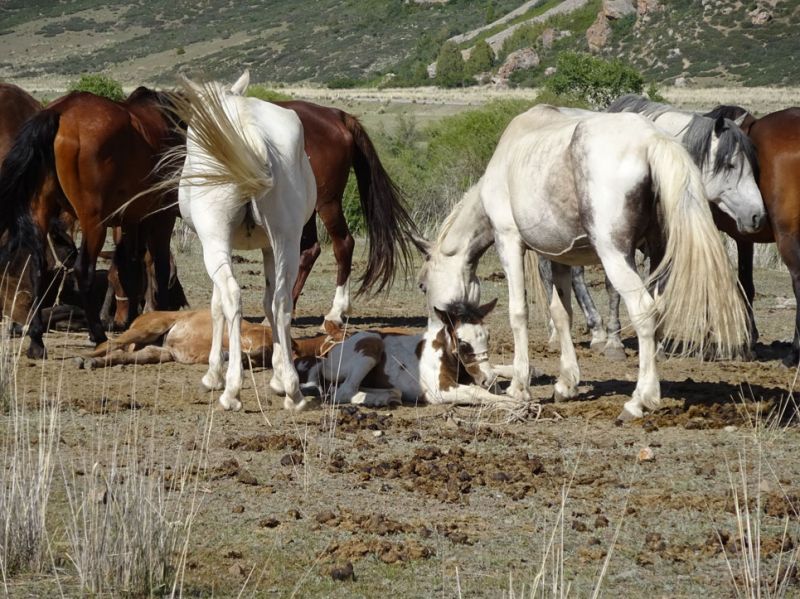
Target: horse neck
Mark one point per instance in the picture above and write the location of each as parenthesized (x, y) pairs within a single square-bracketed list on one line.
[(467, 231), (439, 339)]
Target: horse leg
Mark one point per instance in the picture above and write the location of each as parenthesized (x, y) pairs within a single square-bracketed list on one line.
[(276, 382), (614, 350), (309, 252), (744, 250), (151, 354), (623, 276), (129, 260), (593, 319), (343, 245), (36, 328), (789, 248), (546, 274), (511, 252), (225, 309), (286, 253), (350, 368), (94, 235), (159, 232), (566, 386)]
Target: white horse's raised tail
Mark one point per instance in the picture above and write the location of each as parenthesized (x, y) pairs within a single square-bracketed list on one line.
[(580, 190), (246, 184)]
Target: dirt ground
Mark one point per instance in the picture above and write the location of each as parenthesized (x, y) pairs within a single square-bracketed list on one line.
[(431, 501)]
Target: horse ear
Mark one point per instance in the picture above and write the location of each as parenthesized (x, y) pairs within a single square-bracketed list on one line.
[(423, 245), (191, 85), (487, 307), (740, 119), (720, 126), (442, 315), (241, 84)]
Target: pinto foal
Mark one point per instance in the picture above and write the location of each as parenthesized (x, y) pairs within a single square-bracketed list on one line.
[(448, 363)]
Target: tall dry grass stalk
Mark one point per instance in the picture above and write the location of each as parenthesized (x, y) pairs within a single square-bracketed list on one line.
[(131, 514), (28, 440)]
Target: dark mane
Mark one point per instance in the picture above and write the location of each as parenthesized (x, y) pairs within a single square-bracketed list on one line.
[(727, 111), (464, 312), (699, 132)]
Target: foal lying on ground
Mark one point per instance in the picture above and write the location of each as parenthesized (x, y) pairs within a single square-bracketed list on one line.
[(445, 364)]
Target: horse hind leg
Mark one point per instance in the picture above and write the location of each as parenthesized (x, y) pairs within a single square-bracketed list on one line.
[(640, 305), (343, 246), (309, 252), (594, 321), (566, 386), (613, 350)]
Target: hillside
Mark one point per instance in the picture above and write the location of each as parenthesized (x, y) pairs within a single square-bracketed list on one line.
[(341, 41)]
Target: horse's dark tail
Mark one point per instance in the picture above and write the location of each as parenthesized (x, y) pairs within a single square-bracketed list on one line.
[(21, 175), (389, 226)]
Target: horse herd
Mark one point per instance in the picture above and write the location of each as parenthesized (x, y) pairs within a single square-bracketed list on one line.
[(576, 187)]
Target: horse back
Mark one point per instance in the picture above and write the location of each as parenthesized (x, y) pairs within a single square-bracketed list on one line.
[(16, 106)]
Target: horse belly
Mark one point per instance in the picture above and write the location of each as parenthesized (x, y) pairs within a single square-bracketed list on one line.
[(189, 343)]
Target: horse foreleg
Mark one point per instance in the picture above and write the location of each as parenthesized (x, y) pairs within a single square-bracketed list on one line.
[(159, 231), (152, 354), (566, 386), (744, 250), (348, 364), (593, 319), (789, 248), (512, 252), (546, 274)]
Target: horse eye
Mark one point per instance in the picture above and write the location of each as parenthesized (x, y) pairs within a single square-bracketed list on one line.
[(422, 287)]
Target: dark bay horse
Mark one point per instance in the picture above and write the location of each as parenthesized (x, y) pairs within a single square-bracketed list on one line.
[(776, 137), (335, 141), (89, 156), (16, 107)]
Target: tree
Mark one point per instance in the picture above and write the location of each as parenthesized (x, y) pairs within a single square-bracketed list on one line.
[(450, 66), (594, 79), (100, 85), (481, 59), (489, 12)]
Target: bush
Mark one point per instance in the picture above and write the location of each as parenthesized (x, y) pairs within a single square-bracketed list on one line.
[(450, 66), (343, 82), (598, 81), (480, 60), (100, 85), (265, 93)]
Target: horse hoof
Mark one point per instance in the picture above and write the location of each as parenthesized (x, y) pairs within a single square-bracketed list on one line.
[(616, 354), (204, 388), (233, 404), (553, 345), (597, 345), (37, 352), (277, 388), (626, 416), (79, 363)]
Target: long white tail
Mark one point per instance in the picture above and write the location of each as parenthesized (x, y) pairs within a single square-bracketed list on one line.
[(230, 153), (701, 302)]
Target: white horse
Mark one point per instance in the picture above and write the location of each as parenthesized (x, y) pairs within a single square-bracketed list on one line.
[(581, 189), (448, 363), (727, 161), (246, 183)]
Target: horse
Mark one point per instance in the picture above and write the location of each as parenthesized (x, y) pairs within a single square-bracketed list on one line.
[(776, 137), (727, 161), (448, 363), (185, 337), (335, 142), (578, 190), (16, 107), (90, 156), (246, 183)]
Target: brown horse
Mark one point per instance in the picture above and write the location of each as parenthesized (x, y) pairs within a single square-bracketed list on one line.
[(16, 107), (776, 137), (90, 156), (335, 141)]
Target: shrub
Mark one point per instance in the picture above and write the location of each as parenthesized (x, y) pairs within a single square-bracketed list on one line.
[(481, 59), (265, 93), (100, 85), (343, 82), (450, 66), (596, 80)]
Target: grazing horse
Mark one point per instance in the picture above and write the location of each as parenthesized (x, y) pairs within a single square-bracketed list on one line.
[(335, 141), (246, 183), (727, 162), (776, 137), (580, 189), (90, 156)]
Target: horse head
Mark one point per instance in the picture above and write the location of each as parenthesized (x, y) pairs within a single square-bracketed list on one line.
[(469, 338), (727, 159)]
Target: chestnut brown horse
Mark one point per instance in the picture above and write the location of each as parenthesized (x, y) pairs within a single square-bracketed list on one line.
[(90, 156), (16, 107), (776, 137), (335, 141)]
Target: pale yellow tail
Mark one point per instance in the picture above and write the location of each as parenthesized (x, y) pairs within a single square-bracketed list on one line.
[(701, 303)]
